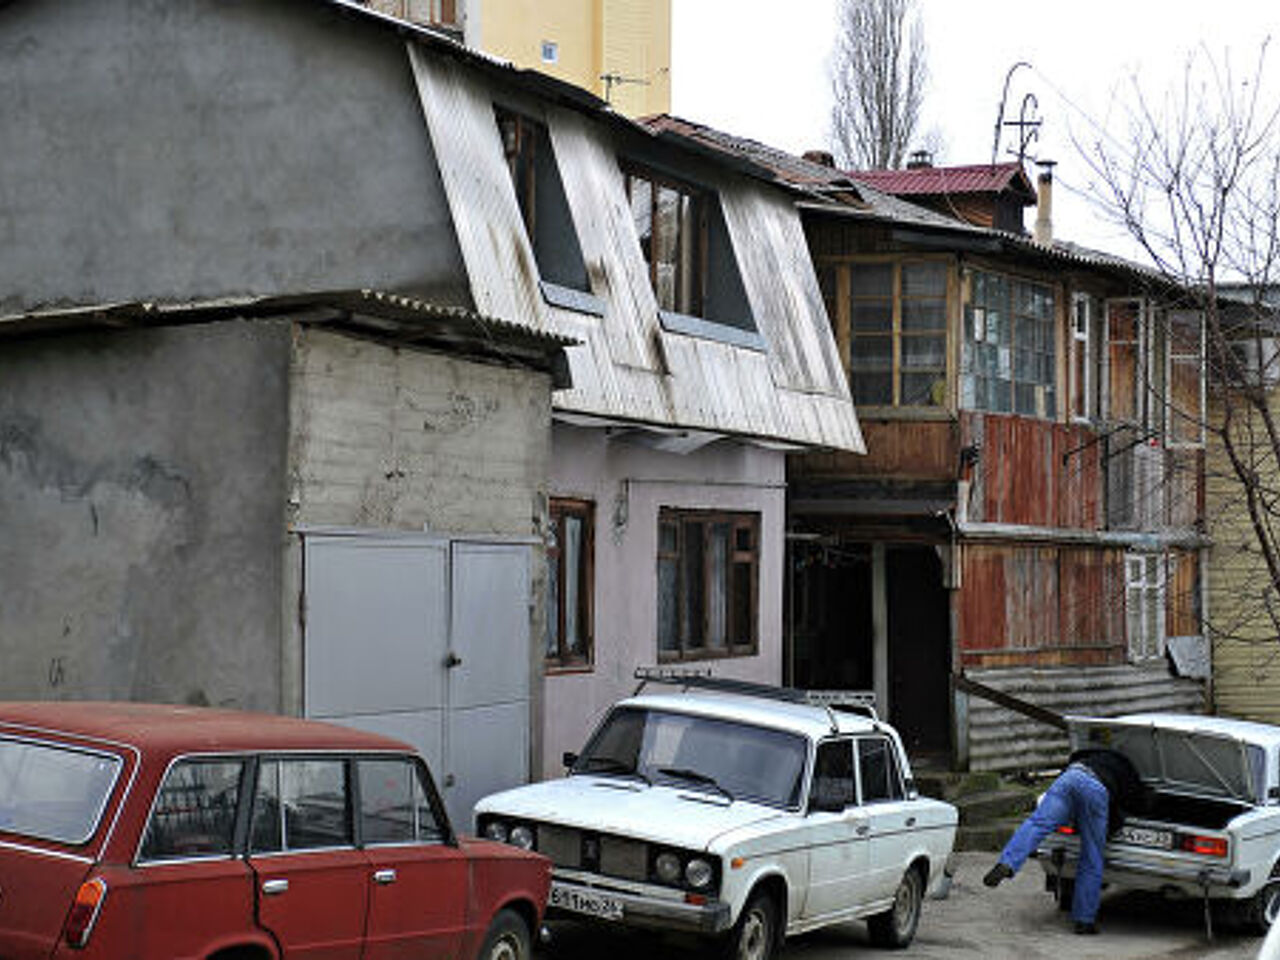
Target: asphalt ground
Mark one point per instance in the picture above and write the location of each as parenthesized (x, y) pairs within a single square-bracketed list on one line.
[(1016, 921)]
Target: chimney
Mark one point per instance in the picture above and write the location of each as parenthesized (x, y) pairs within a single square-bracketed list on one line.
[(1044, 205), (821, 157), (920, 160)]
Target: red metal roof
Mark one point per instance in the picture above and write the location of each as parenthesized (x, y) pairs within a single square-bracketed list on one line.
[(936, 181)]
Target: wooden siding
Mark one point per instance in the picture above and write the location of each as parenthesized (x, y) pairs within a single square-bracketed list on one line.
[(1034, 472), (1040, 605), (897, 449), (1246, 648), (628, 367)]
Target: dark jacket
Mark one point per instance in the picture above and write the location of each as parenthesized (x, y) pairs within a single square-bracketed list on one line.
[(1125, 789)]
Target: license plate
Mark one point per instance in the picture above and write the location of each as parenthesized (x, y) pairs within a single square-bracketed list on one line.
[(592, 904), (1146, 837)]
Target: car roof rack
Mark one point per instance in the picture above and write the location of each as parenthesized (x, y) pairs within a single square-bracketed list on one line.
[(862, 702)]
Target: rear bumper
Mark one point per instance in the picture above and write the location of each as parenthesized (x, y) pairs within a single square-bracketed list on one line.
[(641, 910), (1143, 874)]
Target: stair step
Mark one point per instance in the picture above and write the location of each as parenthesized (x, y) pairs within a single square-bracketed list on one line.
[(991, 835), (979, 808)]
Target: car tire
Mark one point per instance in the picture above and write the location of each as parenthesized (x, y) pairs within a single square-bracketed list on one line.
[(1260, 911), (896, 927), (508, 938), (755, 934)]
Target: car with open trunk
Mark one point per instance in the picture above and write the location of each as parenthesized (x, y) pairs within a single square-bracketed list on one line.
[(735, 812), (152, 832), (1210, 830)]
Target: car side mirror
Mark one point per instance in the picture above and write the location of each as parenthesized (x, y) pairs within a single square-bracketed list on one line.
[(569, 758), (909, 785), (1273, 793)]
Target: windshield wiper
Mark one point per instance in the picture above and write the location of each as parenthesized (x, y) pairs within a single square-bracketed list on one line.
[(612, 765), (684, 773)]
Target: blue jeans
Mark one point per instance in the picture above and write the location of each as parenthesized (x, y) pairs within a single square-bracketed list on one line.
[(1079, 798)]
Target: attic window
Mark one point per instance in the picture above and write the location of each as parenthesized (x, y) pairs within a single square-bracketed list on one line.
[(690, 258), (544, 208)]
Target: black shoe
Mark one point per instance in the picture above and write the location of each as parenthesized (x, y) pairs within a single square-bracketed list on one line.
[(1001, 871), (1086, 928)]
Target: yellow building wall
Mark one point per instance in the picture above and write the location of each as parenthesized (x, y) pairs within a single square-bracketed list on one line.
[(626, 39), (1246, 650)]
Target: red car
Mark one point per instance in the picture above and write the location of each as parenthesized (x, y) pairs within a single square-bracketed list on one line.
[(145, 831)]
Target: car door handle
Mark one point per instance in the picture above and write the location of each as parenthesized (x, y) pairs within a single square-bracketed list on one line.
[(272, 887), (863, 829), (911, 821), (384, 876)]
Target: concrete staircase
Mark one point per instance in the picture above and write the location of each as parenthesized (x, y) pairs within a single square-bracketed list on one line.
[(991, 805)]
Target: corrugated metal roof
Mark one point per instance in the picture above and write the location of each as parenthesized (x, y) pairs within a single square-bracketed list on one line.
[(940, 181)]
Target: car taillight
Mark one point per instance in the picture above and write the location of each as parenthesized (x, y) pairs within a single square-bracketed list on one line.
[(1066, 829), (84, 911), (1205, 846)]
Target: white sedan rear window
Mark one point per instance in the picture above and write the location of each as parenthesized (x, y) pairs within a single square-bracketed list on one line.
[(54, 792)]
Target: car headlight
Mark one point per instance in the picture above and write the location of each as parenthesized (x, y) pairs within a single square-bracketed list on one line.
[(698, 873), (667, 867), (522, 837), (496, 830)]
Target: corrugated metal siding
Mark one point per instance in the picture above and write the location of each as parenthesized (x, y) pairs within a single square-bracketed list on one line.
[(628, 366), (1246, 649), (1035, 605), (1000, 739), (1034, 472)]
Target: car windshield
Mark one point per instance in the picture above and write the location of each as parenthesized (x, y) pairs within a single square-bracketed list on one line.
[(731, 759), (54, 792)]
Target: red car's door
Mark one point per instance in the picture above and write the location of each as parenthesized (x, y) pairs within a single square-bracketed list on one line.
[(312, 883), (418, 895)]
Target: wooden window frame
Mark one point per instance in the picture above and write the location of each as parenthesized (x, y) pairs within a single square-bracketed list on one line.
[(1196, 359), (700, 199), (1013, 316), (521, 136), (701, 648), (842, 290), (1145, 574), (564, 659), (1084, 363)]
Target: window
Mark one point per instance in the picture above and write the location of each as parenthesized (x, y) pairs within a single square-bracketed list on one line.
[(550, 51), (878, 771), (195, 811), (1084, 360), (570, 584), (1186, 384), (52, 792), (544, 209), (898, 334), (395, 804), (1144, 605), (1125, 337), (301, 805), (1009, 355), (833, 784), (707, 584), (690, 259)]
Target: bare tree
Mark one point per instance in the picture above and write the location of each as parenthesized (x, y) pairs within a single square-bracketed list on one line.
[(878, 77), (1194, 182)]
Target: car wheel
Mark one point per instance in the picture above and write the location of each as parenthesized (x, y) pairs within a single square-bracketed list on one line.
[(1260, 910), (756, 932), (507, 939), (896, 927)]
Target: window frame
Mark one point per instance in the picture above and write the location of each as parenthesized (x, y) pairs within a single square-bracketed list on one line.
[(1013, 317), (565, 661), (1145, 578), (700, 200), (685, 648), (1084, 358), (1173, 357), (896, 774)]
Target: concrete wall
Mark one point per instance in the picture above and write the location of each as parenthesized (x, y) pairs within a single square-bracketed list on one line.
[(141, 481), (160, 150), (628, 483)]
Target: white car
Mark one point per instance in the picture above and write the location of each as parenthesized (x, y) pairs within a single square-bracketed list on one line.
[(1212, 831), (742, 813)]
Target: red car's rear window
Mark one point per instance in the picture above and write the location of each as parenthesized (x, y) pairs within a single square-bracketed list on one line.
[(54, 791)]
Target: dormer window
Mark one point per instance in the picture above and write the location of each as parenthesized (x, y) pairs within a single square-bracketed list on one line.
[(692, 268), (544, 208)]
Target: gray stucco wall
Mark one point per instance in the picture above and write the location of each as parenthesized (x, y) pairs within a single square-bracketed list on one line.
[(161, 150), (142, 479)]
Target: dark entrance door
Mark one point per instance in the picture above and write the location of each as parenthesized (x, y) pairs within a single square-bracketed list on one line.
[(831, 618), (919, 649)]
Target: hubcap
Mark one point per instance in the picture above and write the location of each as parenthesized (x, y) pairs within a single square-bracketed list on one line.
[(904, 904), (755, 937), (505, 949)]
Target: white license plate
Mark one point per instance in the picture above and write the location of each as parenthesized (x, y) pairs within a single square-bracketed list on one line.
[(592, 904), (1146, 837)]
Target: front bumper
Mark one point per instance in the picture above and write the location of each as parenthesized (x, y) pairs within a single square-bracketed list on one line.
[(640, 909), (1192, 878)]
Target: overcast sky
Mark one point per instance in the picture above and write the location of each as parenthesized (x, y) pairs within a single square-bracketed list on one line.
[(744, 67)]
